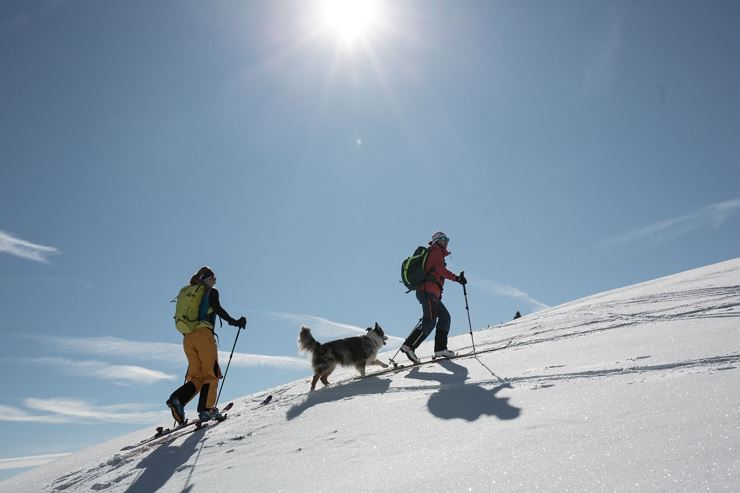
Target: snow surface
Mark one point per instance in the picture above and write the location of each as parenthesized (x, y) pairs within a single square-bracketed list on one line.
[(631, 390)]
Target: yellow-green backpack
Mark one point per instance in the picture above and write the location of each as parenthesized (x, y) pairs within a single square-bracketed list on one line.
[(187, 307)]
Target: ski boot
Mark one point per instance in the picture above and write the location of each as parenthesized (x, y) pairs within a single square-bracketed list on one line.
[(177, 409)]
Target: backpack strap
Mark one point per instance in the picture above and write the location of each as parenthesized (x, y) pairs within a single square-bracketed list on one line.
[(205, 304)]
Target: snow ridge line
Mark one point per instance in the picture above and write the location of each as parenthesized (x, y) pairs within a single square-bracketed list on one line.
[(719, 302), (506, 382), (702, 362), (621, 321)]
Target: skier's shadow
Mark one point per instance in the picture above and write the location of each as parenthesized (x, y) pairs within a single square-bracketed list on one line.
[(456, 399), (161, 465), (367, 386)]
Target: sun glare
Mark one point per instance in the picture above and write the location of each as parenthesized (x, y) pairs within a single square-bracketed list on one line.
[(350, 20)]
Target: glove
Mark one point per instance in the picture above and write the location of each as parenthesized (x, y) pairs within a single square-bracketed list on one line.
[(241, 323), (461, 279)]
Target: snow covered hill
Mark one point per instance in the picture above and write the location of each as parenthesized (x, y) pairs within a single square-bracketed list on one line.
[(636, 389)]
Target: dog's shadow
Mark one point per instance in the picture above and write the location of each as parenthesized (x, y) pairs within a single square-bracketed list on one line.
[(366, 386), (457, 399)]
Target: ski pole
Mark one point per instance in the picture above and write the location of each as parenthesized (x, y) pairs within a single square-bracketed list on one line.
[(470, 325), (227, 366)]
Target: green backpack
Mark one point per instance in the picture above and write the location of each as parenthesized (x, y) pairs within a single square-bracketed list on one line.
[(187, 307), (412, 269)]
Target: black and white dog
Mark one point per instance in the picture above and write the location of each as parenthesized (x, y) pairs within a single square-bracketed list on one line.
[(358, 351)]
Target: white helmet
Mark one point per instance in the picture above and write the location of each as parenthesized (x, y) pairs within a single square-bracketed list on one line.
[(439, 236)]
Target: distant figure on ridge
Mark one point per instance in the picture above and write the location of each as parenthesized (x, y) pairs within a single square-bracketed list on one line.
[(195, 318), (517, 315), (429, 294)]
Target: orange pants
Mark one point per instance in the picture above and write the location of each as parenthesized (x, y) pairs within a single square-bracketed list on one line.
[(202, 353)]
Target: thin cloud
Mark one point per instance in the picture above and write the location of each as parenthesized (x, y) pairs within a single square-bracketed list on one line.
[(115, 347), (25, 249), (16, 415), (714, 215), (28, 461), (252, 360), (510, 292), (75, 409), (325, 327), (160, 352), (60, 410), (121, 374)]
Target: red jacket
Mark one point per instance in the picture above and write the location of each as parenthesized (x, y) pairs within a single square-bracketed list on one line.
[(435, 267)]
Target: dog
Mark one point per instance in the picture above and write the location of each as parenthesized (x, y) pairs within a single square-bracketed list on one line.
[(358, 351)]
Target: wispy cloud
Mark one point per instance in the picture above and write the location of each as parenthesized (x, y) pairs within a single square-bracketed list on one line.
[(25, 249), (115, 347), (121, 374), (16, 415), (251, 360), (324, 327), (76, 409), (60, 410), (159, 352), (509, 292), (320, 325), (714, 215), (28, 461)]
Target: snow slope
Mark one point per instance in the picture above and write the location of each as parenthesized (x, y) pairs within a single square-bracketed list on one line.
[(636, 389)]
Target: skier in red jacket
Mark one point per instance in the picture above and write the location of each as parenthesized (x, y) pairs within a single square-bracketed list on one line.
[(429, 295)]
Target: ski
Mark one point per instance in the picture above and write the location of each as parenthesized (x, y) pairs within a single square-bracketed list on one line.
[(163, 432), (264, 402), (394, 367), (178, 433)]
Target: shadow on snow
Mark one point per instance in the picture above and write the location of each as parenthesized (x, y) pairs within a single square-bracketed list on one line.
[(453, 399), (456, 399), (370, 385), (161, 465)]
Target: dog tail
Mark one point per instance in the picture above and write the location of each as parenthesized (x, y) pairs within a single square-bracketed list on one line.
[(306, 341)]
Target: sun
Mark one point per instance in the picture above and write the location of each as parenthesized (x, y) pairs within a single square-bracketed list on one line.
[(350, 21)]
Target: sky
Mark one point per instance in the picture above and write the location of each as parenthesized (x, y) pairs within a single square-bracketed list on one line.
[(565, 149)]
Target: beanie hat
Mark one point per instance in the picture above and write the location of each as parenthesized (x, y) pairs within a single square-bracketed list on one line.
[(202, 274)]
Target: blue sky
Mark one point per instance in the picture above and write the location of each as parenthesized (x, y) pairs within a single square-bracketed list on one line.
[(566, 148)]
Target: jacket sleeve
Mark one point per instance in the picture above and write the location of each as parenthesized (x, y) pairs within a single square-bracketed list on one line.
[(437, 265), (217, 308)]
